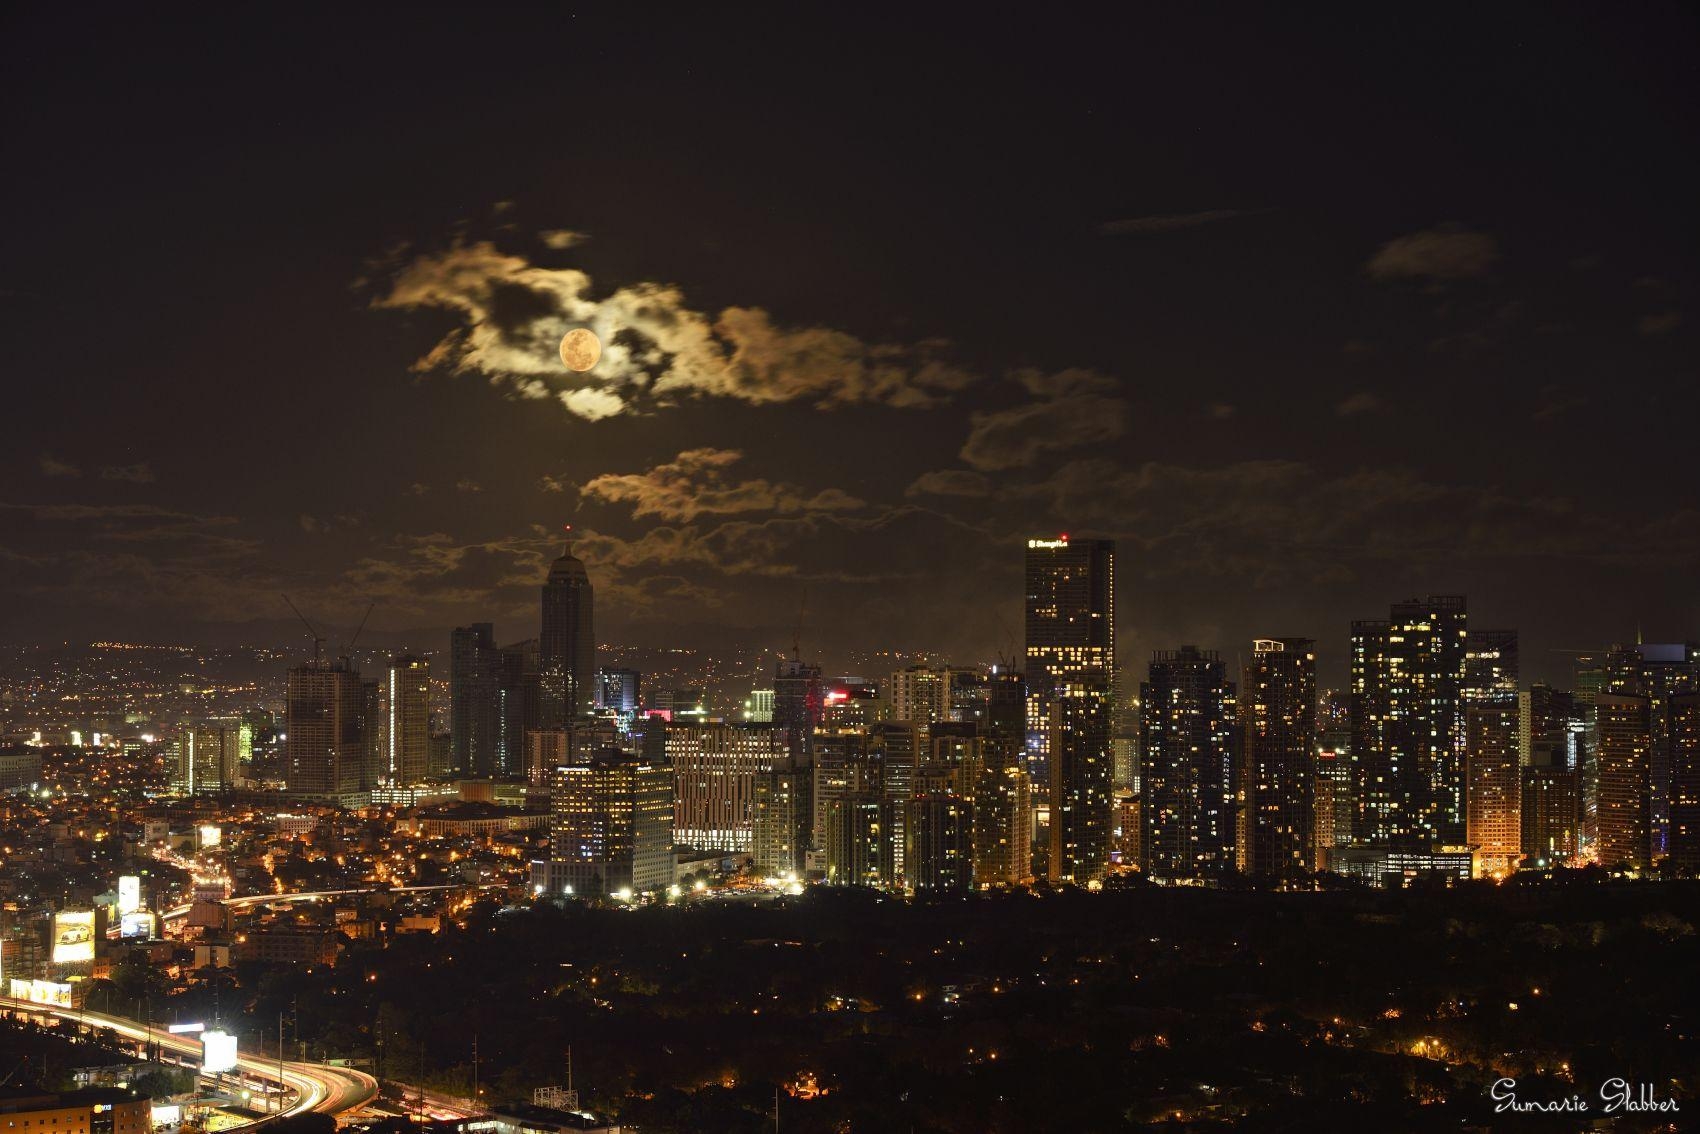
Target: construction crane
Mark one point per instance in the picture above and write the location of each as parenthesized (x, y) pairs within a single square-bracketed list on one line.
[(318, 638)]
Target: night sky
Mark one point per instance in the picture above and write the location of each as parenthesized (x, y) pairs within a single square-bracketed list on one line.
[(1311, 309)]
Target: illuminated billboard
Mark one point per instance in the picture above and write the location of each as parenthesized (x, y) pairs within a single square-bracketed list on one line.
[(218, 1052), (136, 925), (129, 894), (211, 836), (73, 937), (41, 992)]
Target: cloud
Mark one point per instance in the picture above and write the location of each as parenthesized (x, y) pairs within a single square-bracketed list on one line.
[(1168, 222), (547, 483), (1221, 411), (1361, 402), (950, 482), (52, 466), (418, 488), (1445, 252), (657, 350), (468, 485), (141, 473), (1659, 323), (695, 483), (561, 238), (1073, 410)]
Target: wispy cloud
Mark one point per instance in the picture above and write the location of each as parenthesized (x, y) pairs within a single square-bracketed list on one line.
[(1444, 252), (696, 483), (1170, 222)]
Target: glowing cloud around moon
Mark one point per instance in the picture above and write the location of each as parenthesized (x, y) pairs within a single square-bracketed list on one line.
[(580, 349)]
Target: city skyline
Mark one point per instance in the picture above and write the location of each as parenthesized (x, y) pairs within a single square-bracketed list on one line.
[(1294, 372)]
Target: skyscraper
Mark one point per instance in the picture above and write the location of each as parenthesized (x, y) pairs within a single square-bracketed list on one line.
[(715, 767), (940, 829), (797, 706), (406, 754), (1186, 711), (1549, 810), (617, 690), (610, 828), (567, 645), (1407, 715), (325, 730), (1077, 720), (1624, 820), (1493, 784), (1278, 726), (518, 706), (1070, 623), (474, 678)]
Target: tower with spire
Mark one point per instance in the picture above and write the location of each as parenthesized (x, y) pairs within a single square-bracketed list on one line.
[(567, 644)]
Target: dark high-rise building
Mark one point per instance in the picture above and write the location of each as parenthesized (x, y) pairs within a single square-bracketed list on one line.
[(617, 690), (1491, 667), (1278, 730), (1407, 712), (405, 757), (1683, 716), (1069, 614), (1659, 672), (475, 669), (326, 730), (518, 709), (797, 706), (940, 829), (567, 644), (1186, 745), (1549, 717), (1549, 810)]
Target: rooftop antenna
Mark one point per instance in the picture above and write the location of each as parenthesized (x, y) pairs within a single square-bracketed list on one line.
[(318, 639), (797, 627), (568, 528)]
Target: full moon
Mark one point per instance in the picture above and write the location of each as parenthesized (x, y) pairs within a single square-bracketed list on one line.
[(580, 349)]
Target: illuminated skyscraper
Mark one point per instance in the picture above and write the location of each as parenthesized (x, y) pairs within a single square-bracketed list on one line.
[(1408, 723), (1491, 667), (1070, 623), (1493, 780), (1624, 820), (567, 645), (610, 828), (1683, 714), (405, 757), (1186, 741), (325, 730), (1278, 731), (1069, 662), (715, 767), (210, 755), (920, 693)]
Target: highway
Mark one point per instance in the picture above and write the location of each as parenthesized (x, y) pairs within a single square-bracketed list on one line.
[(328, 1090), (248, 901)]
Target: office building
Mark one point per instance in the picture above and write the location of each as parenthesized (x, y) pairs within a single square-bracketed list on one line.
[(1549, 810), (715, 767), (617, 690), (610, 829)]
